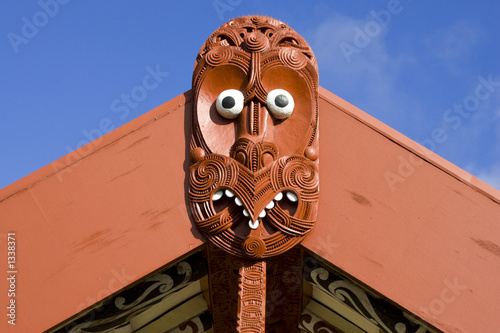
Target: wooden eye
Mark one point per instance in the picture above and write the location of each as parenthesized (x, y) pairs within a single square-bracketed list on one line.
[(280, 103), (230, 103)]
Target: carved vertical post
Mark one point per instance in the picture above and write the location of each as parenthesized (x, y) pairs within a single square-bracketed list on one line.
[(237, 292), (223, 286), (252, 297)]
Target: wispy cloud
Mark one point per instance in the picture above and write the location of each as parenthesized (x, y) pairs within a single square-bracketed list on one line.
[(477, 142), (371, 78), (453, 44), (371, 61), (367, 78), (491, 175)]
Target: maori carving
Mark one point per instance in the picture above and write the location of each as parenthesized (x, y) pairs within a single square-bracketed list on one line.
[(279, 292), (224, 287), (284, 291), (253, 182), (378, 311), (119, 310), (312, 323), (230, 277), (252, 297), (199, 324)]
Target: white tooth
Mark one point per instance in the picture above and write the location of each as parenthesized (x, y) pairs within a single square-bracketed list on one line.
[(229, 194), (291, 196), (253, 225), (278, 196), (245, 212), (262, 214), (238, 201), (270, 205), (217, 195)]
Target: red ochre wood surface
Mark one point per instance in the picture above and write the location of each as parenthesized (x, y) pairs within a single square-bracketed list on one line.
[(115, 210)]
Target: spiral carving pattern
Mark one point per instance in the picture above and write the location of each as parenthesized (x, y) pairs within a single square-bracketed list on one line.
[(218, 56), (211, 172), (256, 20), (292, 58), (254, 247), (296, 172), (256, 41)]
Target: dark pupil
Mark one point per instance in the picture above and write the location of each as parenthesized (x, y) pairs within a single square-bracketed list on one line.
[(228, 102), (281, 101)]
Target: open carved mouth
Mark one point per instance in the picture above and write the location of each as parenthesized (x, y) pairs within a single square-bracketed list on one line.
[(286, 200), (254, 214)]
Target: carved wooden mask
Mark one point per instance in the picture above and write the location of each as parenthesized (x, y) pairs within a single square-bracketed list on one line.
[(254, 145)]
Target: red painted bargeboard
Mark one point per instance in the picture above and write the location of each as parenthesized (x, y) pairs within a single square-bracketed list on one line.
[(87, 229), (115, 210)]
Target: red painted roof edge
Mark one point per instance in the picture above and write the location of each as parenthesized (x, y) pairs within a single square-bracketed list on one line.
[(412, 146), (60, 164)]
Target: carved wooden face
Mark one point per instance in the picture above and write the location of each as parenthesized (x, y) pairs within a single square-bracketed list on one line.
[(254, 178)]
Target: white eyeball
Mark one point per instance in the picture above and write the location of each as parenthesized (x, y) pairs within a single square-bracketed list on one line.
[(280, 103), (230, 103)]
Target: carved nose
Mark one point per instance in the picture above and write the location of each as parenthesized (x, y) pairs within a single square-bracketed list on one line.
[(254, 155), (252, 121), (253, 148)]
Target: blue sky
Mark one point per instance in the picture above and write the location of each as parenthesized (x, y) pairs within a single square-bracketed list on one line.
[(428, 69)]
